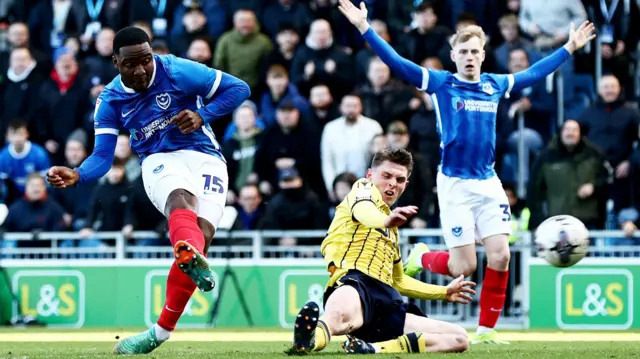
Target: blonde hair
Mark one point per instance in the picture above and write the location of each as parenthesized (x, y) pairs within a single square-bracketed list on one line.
[(466, 33)]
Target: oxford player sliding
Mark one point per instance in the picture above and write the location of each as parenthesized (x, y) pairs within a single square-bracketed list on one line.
[(166, 103), (363, 297), (473, 205)]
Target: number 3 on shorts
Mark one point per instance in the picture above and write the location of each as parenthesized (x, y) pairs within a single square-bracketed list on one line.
[(213, 184), (505, 211)]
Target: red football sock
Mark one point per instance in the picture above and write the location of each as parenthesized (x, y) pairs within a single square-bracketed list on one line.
[(492, 297), (436, 262), (183, 226)]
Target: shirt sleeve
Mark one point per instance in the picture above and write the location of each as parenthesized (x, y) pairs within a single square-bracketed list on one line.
[(105, 118), (106, 135), (220, 92), (362, 201), (414, 288)]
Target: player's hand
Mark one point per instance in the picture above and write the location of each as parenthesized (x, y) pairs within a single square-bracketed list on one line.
[(356, 16), (460, 291), (581, 36), (62, 177), (399, 216), (187, 121)]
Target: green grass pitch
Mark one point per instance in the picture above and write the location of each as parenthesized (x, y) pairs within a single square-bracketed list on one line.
[(244, 344)]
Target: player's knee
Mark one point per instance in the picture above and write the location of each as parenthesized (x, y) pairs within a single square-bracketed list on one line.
[(180, 199), (459, 342), (339, 320), (499, 260), (465, 268)]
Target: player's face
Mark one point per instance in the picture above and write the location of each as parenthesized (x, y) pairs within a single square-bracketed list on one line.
[(135, 64), (468, 57), (391, 179)]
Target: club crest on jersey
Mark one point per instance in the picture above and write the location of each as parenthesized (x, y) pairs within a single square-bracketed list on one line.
[(456, 231), (163, 100), (457, 103), (487, 88)]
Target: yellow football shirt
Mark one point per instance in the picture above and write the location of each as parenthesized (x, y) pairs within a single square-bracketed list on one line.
[(351, 245)]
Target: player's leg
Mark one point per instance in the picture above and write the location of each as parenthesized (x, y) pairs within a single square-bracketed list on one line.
[(494, 227), (166, 179), (422, 335)]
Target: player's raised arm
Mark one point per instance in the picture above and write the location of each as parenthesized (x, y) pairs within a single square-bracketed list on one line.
[(100, 160), (578, 38), (458, 290), (210, 84), (414, 74)]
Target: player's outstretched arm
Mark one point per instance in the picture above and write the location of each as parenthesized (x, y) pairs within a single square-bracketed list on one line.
[(406, 69), (578, 38), (94, 167), (458, 290)]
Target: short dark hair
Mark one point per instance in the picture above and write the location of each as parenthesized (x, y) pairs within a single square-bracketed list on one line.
[(17, 124), (424, 6), (346, 177), (467, 17), (129, 36), (398, 156)]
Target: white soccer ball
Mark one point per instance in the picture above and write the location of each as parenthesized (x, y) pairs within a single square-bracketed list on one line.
[(562, 240)]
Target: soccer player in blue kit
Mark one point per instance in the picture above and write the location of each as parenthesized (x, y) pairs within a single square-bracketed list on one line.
[(166, 103), (473, 205)]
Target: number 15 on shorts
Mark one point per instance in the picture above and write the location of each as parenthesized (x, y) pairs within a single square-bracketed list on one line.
[(213, 184)]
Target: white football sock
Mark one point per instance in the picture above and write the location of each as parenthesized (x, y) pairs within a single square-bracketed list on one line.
[(483, 330), (161, 333)]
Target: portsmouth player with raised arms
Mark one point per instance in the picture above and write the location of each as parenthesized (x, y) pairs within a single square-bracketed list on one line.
[(473, 205), (166, 103)]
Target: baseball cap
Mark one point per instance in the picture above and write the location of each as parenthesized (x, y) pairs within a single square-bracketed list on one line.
[(286, 104), (397, 128)]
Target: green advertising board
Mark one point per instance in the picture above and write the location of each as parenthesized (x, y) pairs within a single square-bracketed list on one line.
[(124, 295), (595, 294)]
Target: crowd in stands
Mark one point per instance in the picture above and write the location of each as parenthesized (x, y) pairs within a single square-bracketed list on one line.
[(322, 103)]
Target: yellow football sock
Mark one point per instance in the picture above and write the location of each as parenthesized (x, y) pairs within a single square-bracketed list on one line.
[(322, 336), (408, 343)]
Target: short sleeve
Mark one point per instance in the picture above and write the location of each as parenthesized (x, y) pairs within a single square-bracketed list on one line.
[(363, 190), (105, 118), (200, 79), (432, 80)]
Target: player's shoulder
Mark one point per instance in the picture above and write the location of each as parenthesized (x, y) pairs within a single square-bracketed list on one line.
[(362, 183), (364, 189)]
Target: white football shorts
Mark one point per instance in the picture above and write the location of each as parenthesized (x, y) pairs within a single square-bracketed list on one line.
[(472, 210), (203, 175)]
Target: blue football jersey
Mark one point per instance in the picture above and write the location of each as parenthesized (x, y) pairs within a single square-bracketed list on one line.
[(18, 166), (466, 121), (176, 84)]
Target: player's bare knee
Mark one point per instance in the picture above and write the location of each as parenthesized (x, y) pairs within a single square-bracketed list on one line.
[(465, 268), (459, 342), (180, 199), (499, 260), (339, 320)]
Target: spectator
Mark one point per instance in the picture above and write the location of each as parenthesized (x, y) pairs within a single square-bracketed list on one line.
[(547, 22), (74, 200), (190, 23), (49, 24), (618, 26), (250, 208), (160, 47), (141, 215), (420, 190), (107, 208), (485, 11), (34, 213), (292, 142), (537, 107), (342, 185), (345, 141), (144, 26), (323, 107), (294, 207), (285, 12), (569, 177), (520, 213), (629, 218), (101, 64), (400, 16), (512, 40), (280, 89), (612, 126), (386, 99), (158, 13), (200, 51), (124, 154), (63, 104), (287, 40), (20, 89), (241, 147), (378, 143), (427, 38), (19, 159), (19, 37), (319, 60), (241, 51), (364, 56)]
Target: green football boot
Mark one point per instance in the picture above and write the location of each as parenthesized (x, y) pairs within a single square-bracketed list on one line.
[(487, 338), (143, 343), (194, 264), (413, 265)]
